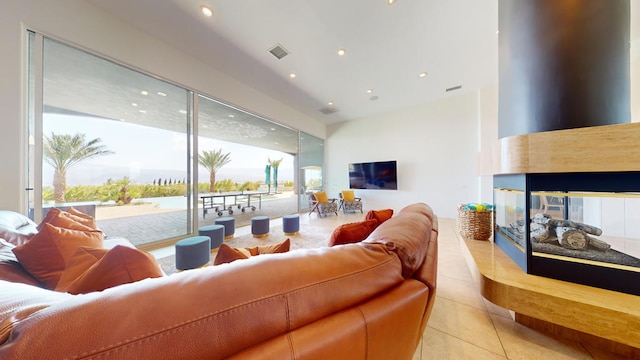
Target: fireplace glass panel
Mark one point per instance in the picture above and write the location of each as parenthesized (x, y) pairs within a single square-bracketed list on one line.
[(509, 216), (596, 228)]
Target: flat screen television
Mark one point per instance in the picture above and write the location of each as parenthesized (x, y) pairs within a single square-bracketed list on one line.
[(373, 175)]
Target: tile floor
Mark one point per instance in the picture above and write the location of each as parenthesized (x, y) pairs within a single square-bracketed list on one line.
[(463, 325)]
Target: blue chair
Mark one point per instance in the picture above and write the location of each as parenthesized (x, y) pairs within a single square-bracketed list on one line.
[(215, 232), (229, 224), (260, 226), (193, 252), (291, 224)]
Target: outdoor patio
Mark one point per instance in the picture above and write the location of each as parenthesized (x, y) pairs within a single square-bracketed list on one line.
[(143, 228)]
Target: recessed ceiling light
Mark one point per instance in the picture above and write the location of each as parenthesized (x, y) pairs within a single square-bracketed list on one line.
[(369, 91), (161, 93), (330, 103), (341, 52), (292, 75), (231, 116), (422, 74), (143, 111), (206, 11), (144, 93), (134, 104), (182, 111), (390, 2), (273, 129)]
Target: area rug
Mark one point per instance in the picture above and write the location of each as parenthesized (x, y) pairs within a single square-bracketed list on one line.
[(308, 237)]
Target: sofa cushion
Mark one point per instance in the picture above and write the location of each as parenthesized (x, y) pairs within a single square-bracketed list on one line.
[(380, 215), (16, 228), (10, 268), (352, 232), (321, 197), (91, 269), (45, 256), (408, 236), (227, 254)]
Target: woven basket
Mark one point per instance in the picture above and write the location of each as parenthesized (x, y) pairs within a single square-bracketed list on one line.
[(475, 224)]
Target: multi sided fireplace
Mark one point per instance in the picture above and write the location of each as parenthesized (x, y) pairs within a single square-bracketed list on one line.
[(567, 204)]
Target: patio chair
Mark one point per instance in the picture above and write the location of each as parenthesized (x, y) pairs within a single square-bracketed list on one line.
[(349, 202), (319, 202)]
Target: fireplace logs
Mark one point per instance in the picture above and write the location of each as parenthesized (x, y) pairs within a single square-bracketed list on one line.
[(566, 233)]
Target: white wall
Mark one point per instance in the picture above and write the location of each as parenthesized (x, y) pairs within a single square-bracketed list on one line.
[(435, 146), (81, 24)]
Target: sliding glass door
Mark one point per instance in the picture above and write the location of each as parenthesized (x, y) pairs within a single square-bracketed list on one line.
[(115, 144), (123, 146)]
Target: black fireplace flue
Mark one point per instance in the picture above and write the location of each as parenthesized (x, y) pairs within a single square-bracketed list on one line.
[(563, 210)]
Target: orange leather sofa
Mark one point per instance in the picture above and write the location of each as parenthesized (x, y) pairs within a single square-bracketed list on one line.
[(369, 300)]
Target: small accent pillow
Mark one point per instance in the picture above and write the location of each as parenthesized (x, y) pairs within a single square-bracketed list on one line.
[(45, 256), (54, 213), (380, 215), (227, 254), (106, 269), (352, 232), (82, 218), (348, 195), (63, 219), (321, 197)]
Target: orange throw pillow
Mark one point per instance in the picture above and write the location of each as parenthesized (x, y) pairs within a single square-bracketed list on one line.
[(120, 265), (227, 254), (380, 215), (82, 218), (63, 219), (80, 261), (352, 232), (45, 256)]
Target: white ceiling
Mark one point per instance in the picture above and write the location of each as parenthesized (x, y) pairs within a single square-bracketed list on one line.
[(387, 46)]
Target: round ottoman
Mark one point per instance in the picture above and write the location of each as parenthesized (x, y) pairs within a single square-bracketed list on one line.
[(229, 224), (215, 232), (291, 224), (260, 226), (193, 252)]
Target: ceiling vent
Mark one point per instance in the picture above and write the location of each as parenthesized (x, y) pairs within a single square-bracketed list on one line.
[(454, 88), (279, 51), (328, 110)]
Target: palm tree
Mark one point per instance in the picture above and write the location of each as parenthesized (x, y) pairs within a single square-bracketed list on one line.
[(212, 161), (64, 151)]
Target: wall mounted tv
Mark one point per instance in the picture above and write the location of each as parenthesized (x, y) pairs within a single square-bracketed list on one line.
[(373, 175)]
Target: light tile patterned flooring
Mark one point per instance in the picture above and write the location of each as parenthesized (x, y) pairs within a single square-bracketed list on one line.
[(463, 325)]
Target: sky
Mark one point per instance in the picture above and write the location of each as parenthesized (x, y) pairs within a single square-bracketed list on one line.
[(144, 153)]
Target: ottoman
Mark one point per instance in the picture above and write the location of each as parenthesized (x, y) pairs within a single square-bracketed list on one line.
[(291, 224), (215, 232), (193, 252), (260, 226), (229, 224)]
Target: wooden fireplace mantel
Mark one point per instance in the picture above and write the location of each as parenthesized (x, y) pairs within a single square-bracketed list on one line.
[(608, 148), (603, 318), (609, 318)]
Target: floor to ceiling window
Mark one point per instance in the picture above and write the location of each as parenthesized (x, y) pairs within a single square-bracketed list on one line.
[(115, 143), (260, 158), (122, 146)]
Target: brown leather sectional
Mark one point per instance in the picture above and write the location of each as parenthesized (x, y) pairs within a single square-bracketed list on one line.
[(369, 300)]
